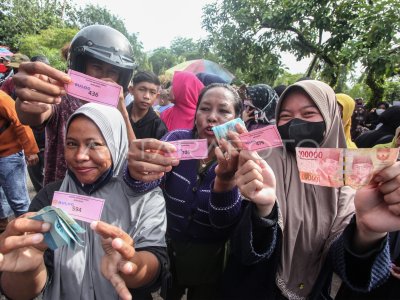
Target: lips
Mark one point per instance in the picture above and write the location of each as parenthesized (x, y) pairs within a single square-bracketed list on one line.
[(208, 131), (83, 170)]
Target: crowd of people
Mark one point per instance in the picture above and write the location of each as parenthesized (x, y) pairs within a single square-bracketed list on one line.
[(238, 224)]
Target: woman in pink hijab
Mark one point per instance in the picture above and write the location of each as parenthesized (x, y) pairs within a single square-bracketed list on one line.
[(184, 92)]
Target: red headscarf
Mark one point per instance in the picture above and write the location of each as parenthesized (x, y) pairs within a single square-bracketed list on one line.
[(186, 89)]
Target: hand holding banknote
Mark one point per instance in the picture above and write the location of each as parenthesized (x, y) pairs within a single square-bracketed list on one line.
[(22, 245), (378, 203)]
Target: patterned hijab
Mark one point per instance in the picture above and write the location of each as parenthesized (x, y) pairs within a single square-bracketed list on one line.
[(263, 99), (311, 217)]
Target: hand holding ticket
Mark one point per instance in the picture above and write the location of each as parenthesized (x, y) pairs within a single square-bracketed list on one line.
[(189, 149), (338, 167), (92, 89)]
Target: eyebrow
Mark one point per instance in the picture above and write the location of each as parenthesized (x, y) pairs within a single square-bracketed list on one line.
[(304, 107)]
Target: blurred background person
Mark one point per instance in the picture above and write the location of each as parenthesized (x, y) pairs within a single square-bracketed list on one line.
[(346, 106)]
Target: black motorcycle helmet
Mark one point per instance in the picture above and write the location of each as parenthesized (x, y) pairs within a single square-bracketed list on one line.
[(106, 44)]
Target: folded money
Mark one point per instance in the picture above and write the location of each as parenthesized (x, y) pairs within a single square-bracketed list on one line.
[(64, 230), (221, 131), (336, 167)]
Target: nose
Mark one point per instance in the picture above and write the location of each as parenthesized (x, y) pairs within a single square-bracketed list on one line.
[(82, 153), (212, 117)]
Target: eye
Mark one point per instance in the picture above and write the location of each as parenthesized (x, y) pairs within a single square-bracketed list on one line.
[(94, 145), (71, 144)]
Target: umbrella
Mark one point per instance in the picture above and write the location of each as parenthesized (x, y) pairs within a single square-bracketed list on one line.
[(5, 52), (202, 65)]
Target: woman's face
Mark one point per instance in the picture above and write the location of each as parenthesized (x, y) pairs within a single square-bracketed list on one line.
[(86, 151), (299, 105), (216, 108)]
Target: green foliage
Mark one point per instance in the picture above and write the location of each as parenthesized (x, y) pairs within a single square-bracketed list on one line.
[(49, 43), (287, 78), (250, 34), (24, 17), (392, 91), (162, 59)]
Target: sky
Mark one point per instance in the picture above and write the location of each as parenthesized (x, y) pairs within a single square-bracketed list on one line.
[(158, 22)]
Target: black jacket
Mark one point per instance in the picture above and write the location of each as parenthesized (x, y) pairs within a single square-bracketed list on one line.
[(150, 126)]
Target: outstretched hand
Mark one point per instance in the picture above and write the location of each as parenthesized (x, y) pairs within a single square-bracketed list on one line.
[(256, 181), (146, 160), (22, 245), (119, 250), (227, 154), (378, 204)]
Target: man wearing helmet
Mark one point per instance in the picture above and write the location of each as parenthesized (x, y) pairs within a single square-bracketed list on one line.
[(98, 51)]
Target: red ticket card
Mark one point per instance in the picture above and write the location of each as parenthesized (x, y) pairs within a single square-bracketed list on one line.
[(190, 149), (262, 138), (92, 89), (79, 207)]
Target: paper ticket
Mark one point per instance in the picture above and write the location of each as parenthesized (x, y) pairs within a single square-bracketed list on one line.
[(262, 138), (190, 149), (92, 89), (80, 207)]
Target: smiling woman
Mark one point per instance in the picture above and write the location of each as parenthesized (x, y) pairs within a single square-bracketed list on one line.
[(124, 253)]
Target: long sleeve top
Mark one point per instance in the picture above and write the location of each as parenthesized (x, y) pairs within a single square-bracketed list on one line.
[(194, 212), (14, 136), (255, 253)]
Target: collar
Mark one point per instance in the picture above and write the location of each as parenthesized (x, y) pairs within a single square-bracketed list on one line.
[(90, 188)]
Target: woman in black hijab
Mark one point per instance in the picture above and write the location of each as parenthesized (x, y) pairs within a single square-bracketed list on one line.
[(390, 120)]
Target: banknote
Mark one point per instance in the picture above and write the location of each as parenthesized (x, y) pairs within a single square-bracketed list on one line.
[(320, 166), (335, 167), (221, 131), (362, 164), (64, 230)]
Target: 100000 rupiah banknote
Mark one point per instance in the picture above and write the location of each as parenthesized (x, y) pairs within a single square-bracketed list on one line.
[(335, 167)]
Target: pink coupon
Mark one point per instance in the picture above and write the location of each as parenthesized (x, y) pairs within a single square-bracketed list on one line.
[(262, 138), (92, 89), (190, 149), (79, 207)]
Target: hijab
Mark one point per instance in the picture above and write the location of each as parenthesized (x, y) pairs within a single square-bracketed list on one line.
[(186, 88), (76, 270), (348, 104), (264, 99), (311, 217)]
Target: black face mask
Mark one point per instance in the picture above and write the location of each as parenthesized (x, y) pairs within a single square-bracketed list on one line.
[(300, 133)]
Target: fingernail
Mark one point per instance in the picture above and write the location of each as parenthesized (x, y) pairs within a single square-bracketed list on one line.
[(57, 100), (46, 227), (63, 92), (37, 238), (93, 225), (129, 267), (118, 243)]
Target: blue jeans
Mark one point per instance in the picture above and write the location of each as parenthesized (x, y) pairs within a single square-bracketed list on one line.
[(5, 209), (13, 182)]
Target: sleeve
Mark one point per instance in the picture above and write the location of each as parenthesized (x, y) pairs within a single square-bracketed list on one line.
[(161, 129), (24, 133), (162, 280), (255, 238), (152, 223), (361, 272), (137, 185), (224, 208), (45, 196)]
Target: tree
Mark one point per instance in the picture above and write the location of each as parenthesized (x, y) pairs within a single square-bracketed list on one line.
[(162, 59), (49, 43), (24, 17), (336, 34)]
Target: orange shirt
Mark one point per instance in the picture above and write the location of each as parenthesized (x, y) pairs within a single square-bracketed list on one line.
[(15, 137)]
